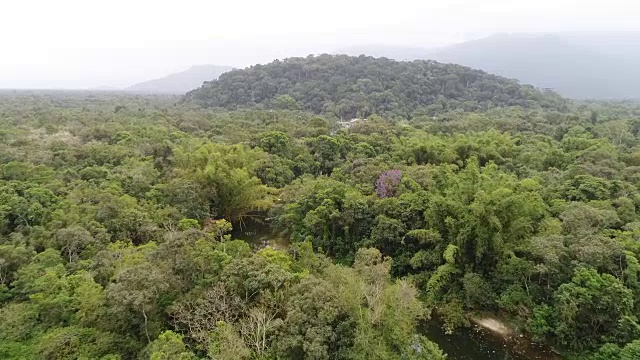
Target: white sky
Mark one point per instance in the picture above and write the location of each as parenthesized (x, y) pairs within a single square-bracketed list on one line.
[(88, 43)]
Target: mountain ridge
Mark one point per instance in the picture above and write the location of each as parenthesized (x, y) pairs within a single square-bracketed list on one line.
[(180, 82), (576, 65)]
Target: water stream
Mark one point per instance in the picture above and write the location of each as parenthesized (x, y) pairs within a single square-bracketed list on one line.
[(258, 234), (476, 343)]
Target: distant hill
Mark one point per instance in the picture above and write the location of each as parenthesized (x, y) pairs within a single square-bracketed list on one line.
[(576, 65), (181, 82), (358, 86)]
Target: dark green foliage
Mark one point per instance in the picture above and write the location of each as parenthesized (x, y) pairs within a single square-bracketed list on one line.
[(348, 87), (590, 308), (316, 316)]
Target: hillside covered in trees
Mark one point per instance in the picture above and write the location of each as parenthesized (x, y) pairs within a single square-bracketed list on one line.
[(349, 87)]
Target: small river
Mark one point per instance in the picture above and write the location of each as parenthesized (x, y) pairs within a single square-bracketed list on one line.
[(476, 343), (258, 234)]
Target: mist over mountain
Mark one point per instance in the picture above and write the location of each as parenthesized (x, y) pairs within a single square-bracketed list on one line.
[(577, 65), (180, 83), (104, 88)]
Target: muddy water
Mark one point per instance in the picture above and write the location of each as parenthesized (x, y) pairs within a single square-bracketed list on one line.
[(258, 234), (476, 343)]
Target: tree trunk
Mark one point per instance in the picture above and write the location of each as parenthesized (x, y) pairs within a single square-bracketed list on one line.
[(146, 329)]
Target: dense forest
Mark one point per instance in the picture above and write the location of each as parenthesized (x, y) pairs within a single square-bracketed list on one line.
[(349, 87), (123, 218)]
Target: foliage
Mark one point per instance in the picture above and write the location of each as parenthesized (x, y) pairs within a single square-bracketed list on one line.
[(348, 87), (118, 229)]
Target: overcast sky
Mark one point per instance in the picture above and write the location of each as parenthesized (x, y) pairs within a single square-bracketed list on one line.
[(86, 43)]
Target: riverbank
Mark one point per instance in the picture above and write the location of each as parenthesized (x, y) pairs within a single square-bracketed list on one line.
[(488, 338), (513, 338), (492, 324)]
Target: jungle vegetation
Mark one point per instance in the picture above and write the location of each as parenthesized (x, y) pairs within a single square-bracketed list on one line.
[(116, 215)]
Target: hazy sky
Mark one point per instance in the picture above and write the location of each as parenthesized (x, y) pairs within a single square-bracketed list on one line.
[(89, 43)]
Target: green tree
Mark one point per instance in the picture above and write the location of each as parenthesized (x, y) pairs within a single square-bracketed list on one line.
[(169, 346), (590, 308), (138, 289)]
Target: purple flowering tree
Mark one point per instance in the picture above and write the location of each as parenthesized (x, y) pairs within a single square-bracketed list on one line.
[(388, 182)]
